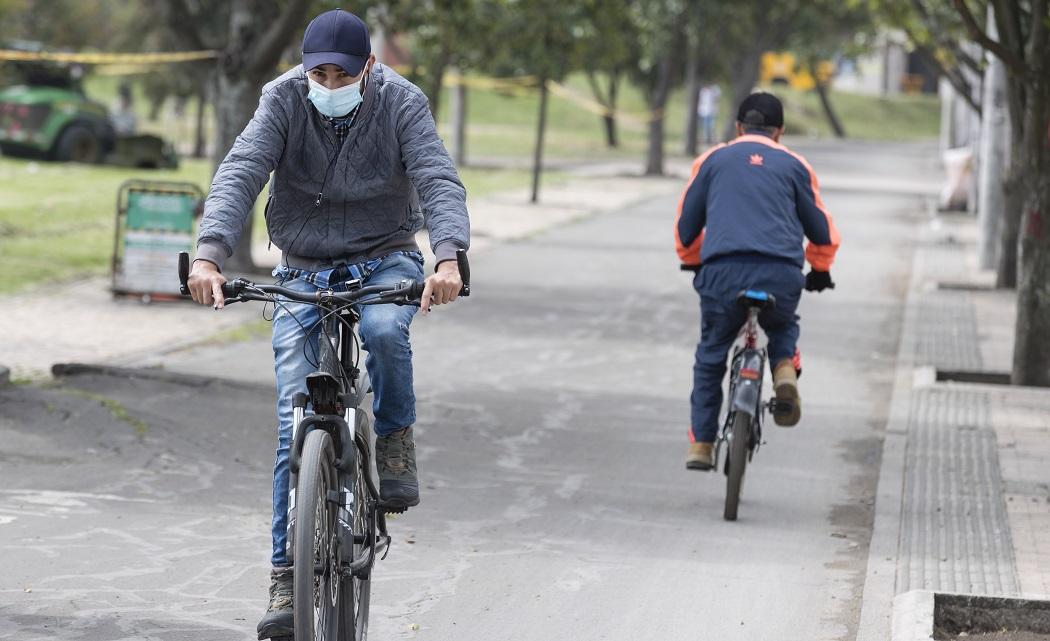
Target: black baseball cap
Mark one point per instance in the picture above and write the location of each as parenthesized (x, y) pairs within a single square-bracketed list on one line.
[(338, 38), (761, 109)]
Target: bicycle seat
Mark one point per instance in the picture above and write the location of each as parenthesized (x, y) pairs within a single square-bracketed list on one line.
[(753, 298)]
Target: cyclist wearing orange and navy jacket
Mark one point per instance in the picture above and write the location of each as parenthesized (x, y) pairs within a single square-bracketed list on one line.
[(741, 223)]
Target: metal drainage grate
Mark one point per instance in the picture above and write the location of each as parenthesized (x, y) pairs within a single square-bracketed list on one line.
[(973, 376), (964, 286)]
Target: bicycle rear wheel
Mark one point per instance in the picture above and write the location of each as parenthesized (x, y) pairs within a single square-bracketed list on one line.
[(737, 462), (316, 574), (354, 591)]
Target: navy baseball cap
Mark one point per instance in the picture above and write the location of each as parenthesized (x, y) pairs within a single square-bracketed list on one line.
[(339, 38), (761, 109)]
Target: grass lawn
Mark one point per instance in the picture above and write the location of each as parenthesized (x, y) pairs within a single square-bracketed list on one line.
[(56, 220), (504, 124)]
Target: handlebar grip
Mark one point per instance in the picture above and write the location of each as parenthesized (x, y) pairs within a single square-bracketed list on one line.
[(184, 273), (231, 289), (464, 271), (415, 290)]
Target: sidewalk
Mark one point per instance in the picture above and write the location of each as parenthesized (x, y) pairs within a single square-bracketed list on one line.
[(81, 322), (963, 502)]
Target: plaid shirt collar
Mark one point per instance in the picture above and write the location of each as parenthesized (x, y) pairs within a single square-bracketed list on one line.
[(342, 124)]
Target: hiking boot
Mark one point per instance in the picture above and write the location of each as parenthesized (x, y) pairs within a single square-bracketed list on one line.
[(396, 464), (701, 456), (785, 387), (277, 622)]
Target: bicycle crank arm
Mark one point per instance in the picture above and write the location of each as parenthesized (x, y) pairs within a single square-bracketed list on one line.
[(777, 407)]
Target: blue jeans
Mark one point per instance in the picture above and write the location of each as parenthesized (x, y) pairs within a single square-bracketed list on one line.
[(707, 123), (384, 335), (721, 319)]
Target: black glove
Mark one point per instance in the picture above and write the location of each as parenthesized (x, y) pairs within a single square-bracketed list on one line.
[(818, 281)]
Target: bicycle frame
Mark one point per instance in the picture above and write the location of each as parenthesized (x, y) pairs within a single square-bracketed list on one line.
[(745, 385), (339, 478), (336, 390)]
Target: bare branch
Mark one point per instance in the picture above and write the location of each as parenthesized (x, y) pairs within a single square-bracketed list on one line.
[(958, 53), (596, 90), (978, 34), (957, 80), (1039, 34), (186, 29), (964, 57), (1008, 22), (267, 50)]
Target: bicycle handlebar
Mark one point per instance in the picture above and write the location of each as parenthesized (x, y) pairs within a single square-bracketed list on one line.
[(240, 289)]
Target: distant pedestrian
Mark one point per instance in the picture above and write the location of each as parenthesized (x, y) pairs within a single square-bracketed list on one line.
[(707, 110)]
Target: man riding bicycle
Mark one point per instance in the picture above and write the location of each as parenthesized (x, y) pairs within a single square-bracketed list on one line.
[(741, 222), (355, 155)]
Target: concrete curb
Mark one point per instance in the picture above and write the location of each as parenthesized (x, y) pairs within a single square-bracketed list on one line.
[(913, 616), (876, 615), (60, 370)]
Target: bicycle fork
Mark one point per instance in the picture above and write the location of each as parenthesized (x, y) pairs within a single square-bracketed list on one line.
[(375, 535)]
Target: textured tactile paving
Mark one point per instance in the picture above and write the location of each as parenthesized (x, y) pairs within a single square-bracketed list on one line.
[(955, 535), (946, 332)]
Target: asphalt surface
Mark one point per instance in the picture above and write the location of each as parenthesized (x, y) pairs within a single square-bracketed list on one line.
[(551, 435)]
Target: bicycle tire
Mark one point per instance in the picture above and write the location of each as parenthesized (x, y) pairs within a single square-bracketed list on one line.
[(737, 462), (315, 594), (355, 592)]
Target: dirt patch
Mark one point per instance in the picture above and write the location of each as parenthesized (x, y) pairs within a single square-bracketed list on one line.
[(999, 636), (959, 616)]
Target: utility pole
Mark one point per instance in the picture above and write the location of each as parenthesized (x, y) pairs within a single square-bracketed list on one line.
[(994, 157)]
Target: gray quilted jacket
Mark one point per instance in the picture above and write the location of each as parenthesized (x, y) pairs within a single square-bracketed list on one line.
[(329, 204)]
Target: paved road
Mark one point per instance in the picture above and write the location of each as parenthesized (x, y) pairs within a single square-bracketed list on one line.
[(552, 432)]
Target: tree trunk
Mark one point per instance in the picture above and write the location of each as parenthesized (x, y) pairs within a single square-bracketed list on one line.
[(829, 111), (537, 159), (743, 84), (257, 36), (199, 142), (1013, 206), (654, 165), (1031, 359), (458, 105), (435, 81), (610, 131), (692, 102), (611, 137), (237, 99), (607, 100)]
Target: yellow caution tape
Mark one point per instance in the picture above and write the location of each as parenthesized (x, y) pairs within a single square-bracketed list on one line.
[(587, 104), (108, 58)]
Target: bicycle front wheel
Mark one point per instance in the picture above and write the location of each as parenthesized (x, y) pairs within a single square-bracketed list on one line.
[(316, 573), (737, 462), (354, 591)]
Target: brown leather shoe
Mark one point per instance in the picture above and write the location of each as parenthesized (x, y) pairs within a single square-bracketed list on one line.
[(701, 456), (785, 387)]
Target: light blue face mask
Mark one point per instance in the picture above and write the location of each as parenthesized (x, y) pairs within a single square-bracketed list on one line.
[(334, 103)]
